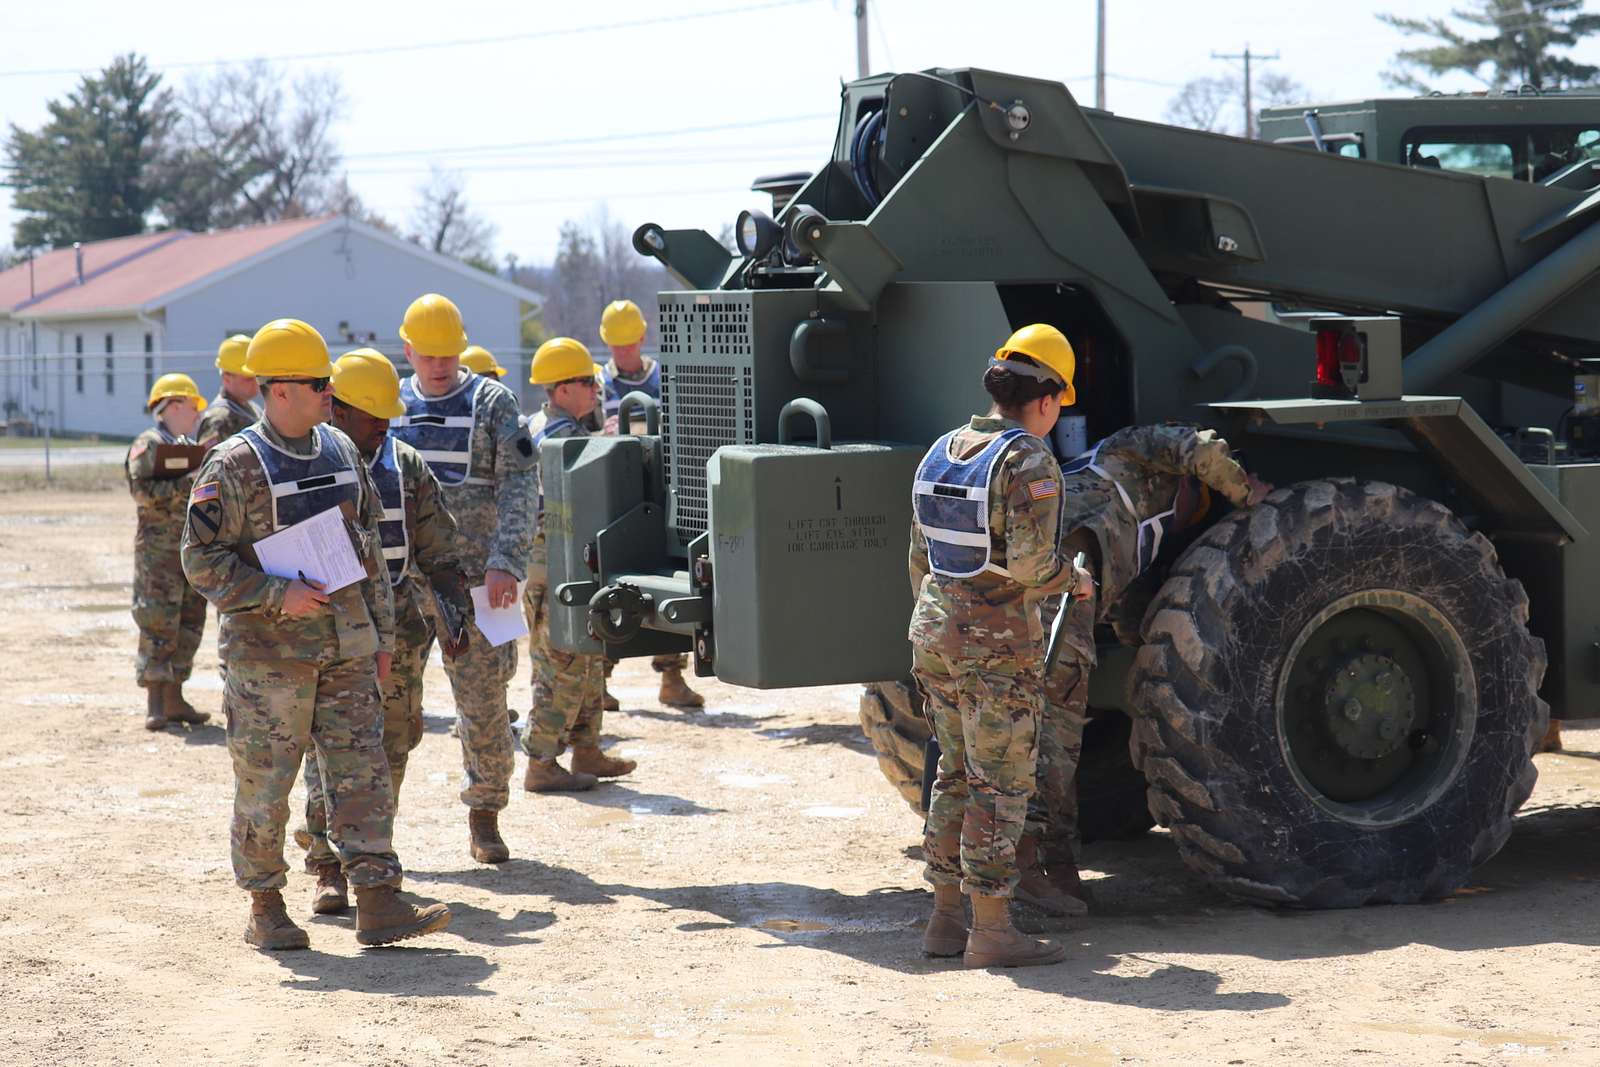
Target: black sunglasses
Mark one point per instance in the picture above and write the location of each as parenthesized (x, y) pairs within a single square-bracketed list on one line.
[(318, 385)]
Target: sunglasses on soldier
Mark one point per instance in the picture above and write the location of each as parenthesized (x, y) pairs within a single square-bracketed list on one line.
[(318, 385)]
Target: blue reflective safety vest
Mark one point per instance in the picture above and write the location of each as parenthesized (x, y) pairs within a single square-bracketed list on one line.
[(303, 486), (392, 530), (1151, 530), (550, 426), (618, 387), (950, 499), (442, 428)]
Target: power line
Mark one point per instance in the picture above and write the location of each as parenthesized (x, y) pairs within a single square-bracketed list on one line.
[(773, 159), (1249, 111), (598, 139), (428, 46)]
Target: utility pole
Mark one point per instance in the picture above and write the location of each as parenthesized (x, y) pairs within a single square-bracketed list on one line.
[(862, 64), (1249, 110), (1100, 55)]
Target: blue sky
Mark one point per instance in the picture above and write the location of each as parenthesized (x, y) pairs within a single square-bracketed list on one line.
[(768, 73)]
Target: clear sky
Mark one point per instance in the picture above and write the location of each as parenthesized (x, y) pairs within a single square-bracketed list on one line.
[(539, 105)]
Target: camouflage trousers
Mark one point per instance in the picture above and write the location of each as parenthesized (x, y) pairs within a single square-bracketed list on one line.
[(568, 688), (1053, 811), (280, 710), (671, 661), (402, 721), (478, 680), (170, 615), (986, 717)]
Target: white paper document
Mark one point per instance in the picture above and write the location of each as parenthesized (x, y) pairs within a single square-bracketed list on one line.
[(498, 625), (319, 548)]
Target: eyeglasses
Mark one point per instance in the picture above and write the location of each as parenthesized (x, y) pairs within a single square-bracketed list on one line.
[(586, 380), (318, 385)]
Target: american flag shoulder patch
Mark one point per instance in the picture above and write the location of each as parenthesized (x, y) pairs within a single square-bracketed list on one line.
[(202, 493), (1043, 489)]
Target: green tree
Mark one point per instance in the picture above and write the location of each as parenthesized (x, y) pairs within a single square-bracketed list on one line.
[(1517, 45), (87, 174)]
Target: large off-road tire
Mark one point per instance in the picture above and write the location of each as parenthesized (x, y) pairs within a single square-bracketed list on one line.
[(1111, 791), (891, 717), (1337, 699)]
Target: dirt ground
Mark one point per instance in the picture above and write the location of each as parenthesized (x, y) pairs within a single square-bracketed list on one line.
[(750, 895)]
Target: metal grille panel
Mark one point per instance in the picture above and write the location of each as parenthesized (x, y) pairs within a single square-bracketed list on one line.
[(707, 397)]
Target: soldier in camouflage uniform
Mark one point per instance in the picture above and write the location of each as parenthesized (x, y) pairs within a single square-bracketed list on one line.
[(1121, 500), (171, 616), (422, 558), (304, 665), (469, 430), (567, 686), (984, 553), (235, 405), (622, 328)]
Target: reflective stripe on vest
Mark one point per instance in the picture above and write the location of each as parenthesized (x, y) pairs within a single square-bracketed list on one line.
[(396, 536), (303, 486), (950, 499), (1151, 530), (618, 387), (539, 437), (442, 428)]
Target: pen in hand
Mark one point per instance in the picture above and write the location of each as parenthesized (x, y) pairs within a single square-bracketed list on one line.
[(303, 597)]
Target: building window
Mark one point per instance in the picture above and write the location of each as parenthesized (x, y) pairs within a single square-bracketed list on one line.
[(149, 373), (149, 342), (111, 376), (77, 344), (77, 369)]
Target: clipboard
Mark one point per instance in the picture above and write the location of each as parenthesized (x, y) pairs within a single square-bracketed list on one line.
[(174, 461)]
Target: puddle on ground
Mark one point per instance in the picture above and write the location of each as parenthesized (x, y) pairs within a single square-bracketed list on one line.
[(607, 817), (1048, 1055), (826, 811), (1513, 1042), (752, 781), (790, 926)]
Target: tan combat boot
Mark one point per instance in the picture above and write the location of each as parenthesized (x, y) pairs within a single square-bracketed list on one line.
[(332, 894), (179, 709), (548, 776), (270, 927), (675, 692), (1552, 737), (946, 932), (590, 760), (484, 827), (1039, 889), (155, 708), (609, 702), (383, 918), (994, 942)]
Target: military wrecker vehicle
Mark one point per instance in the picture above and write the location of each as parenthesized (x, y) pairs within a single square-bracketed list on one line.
[(1390, 309)]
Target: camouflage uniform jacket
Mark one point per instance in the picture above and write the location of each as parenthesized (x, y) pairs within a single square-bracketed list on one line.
[(567, 425), (160, 501), (1147, 464), (494, 506), (223, 418), (990, 616), (435, 545), (359, 619)]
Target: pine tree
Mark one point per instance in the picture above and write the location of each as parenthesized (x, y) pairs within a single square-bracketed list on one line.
[(86, 175), (1519, 47)]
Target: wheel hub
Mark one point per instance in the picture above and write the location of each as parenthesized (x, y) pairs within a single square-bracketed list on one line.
[(1370, 706)]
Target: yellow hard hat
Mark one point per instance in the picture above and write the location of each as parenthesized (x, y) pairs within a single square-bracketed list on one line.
[(364, 378), (1047, 346), (478, 360), (561, 358), (230, 356), (174, 385), (432, 327), (287, 348), (622, 323)]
